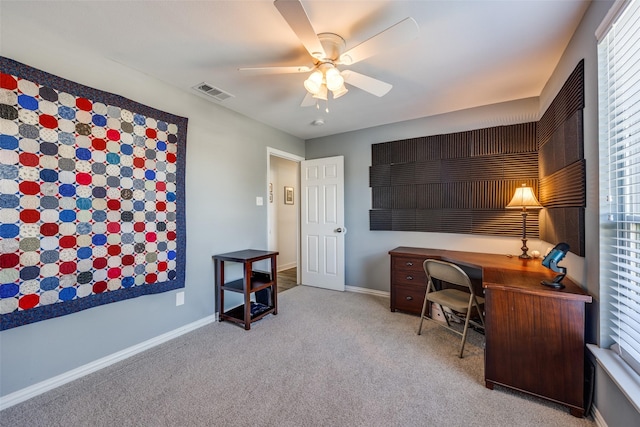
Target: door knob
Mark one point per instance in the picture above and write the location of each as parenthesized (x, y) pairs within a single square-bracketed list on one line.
[(341, 230)]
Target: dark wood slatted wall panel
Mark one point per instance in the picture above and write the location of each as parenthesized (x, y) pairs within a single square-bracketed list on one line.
[(511, 220), (569, 100), (380, 219), (520, 166), (429, 220), (429, 196), (565, 188), (455, 183), (381, 154), (524, 139), (564, 147), (461, 182), (380, 175), (455, 145), (381, 197), (556, 221), (562, 166), (428, 171), (403, 173), (403, 219), (428, 149), (403, 197)]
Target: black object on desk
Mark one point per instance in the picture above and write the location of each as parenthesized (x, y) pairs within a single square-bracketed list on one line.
[(551, 261), (263, 284)]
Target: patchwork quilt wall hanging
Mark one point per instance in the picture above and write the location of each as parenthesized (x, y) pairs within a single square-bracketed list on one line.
[(92, 206)]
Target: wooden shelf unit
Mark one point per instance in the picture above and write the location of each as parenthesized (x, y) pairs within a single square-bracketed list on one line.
[(263, 284)]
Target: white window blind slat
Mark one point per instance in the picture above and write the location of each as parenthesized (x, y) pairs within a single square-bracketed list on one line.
[(625, 297), (619, 115), (626, 279), (630, 337)]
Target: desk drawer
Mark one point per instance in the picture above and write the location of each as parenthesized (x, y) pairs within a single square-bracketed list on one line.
[(407, 264), (408, 298), (409, 278)]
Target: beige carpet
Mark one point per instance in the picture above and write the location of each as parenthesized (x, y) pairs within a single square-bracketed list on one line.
[(327, 359)]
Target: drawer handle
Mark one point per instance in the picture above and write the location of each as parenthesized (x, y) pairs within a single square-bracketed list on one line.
[(409, 298), (409, 263), (409, 277)]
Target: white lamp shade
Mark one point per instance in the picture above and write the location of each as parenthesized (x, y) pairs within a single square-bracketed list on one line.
[(314, 82), (322, 93), (334, 79), (524, 198), (339, 92)]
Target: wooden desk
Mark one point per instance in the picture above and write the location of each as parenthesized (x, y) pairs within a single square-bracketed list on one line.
[(534, 334), (263, 284)]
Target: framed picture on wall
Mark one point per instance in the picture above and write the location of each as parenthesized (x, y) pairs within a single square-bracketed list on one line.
[(288, 195)]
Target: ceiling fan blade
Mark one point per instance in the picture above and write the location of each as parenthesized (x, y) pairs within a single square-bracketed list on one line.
[(366, 83), (293, 12), (275, 70), (386, 40), (308, 100)]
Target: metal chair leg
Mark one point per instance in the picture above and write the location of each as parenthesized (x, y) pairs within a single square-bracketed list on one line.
[(466, 327), (424, 309)]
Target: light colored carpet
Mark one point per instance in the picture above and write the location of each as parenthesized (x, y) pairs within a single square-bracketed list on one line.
[(327, 359)]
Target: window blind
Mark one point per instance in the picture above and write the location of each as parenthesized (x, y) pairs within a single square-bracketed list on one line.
[(619, 117)]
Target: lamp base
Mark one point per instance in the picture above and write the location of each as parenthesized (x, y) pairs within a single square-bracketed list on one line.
[(524, 249)]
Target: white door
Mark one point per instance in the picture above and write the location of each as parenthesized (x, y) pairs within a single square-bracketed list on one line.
[(322, 225)]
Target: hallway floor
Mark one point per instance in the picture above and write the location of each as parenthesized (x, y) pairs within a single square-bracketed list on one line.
[(287, 279)]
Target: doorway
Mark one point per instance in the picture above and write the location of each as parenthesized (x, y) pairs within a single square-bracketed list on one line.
[(283, 214)]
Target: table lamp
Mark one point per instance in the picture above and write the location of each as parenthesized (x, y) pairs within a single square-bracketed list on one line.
[(523, 199)]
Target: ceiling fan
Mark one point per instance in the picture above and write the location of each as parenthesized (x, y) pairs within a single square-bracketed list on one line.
[(328, 51)]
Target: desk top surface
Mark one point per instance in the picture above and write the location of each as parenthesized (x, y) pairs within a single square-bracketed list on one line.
[(504, 272)]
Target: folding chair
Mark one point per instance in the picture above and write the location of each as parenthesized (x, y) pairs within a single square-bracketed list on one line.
[(456, 300)]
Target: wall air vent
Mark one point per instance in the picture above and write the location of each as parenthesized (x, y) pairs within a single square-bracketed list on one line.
[(212, 92)]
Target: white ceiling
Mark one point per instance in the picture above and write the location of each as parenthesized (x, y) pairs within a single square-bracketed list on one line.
[(467, 54)]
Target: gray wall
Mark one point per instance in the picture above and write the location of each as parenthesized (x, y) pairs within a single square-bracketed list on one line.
[(367, 259), (226, 169), (367, 262)]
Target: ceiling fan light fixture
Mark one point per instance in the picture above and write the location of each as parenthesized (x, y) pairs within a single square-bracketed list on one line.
[(322, 93), (334, 79), (313, 84), (339, 92), (346, 59), (328, 52)]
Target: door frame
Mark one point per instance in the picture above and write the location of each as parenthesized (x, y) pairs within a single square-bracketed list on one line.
[(294, 158)]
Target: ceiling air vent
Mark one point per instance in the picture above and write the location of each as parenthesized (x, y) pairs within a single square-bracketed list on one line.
[(213, 92)]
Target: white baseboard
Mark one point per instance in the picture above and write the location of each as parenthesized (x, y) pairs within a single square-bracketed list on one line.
[(597, 417), (367, 291), (46, 385), (287, 266)]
